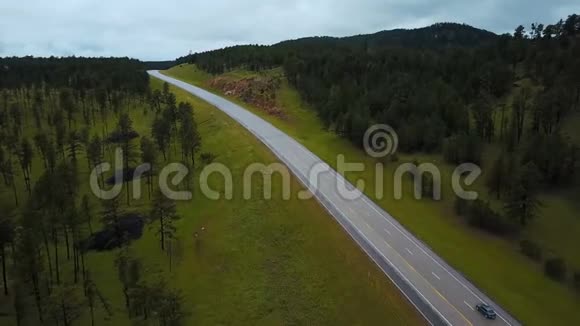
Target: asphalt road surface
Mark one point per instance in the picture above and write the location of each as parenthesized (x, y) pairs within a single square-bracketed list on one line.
[(439, 292)]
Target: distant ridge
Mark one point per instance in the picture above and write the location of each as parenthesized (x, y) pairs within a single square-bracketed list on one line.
[(436, 35), (440, 34)]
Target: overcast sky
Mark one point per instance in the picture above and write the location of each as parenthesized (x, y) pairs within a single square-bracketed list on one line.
[(163, 30)]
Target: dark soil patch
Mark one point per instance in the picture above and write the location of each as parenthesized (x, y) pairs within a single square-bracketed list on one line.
[(117, 137), (130, 228)]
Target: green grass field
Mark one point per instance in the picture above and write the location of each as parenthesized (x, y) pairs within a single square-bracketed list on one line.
[(492, 263), (257, 262)]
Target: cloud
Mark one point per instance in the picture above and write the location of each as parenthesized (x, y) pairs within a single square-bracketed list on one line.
[(161, 30)]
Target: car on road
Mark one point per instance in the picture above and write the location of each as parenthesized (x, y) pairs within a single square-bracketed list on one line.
[(486, 310)]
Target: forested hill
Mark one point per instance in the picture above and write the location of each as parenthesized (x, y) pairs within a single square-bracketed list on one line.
[(449, 89), (439, 35), (405, 77), (75, 72), (436, 35), (159, 65)]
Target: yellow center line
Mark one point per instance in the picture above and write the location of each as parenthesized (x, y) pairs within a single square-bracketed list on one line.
[(432, 287)]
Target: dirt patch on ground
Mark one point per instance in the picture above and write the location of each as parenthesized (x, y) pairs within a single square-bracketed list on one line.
[(130, 227), (257, 91)]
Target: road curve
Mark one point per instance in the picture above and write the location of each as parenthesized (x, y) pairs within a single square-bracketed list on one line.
[(440, 293)]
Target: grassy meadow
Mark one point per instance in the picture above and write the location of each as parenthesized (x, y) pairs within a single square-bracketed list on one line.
[(492, 263), (243, 262)]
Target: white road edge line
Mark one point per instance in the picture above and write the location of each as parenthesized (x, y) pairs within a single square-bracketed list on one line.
[(395, 268), (428, 255), (167, 78), (372, 205), (467, 304), (365, 237), (350, 222), (436, 276), (392, 265)]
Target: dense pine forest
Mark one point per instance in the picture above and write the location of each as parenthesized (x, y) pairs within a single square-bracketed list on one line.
[(442, 76), (454, 90), (59, 119), (468, 95)]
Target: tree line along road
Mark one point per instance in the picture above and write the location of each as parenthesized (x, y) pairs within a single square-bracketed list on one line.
[(440, 293)]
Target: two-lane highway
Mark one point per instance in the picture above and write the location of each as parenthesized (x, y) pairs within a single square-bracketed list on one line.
[(440, 293)]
